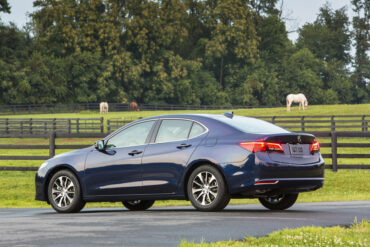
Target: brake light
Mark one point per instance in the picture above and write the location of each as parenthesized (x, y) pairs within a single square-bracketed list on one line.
[(261, 146), (315, 147)]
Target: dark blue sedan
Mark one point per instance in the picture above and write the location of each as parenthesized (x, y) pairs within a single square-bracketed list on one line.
[(204, 158)]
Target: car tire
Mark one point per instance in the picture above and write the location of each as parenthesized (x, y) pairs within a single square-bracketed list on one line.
[(207, 190), (138, 205), (64, 192), (279, 202)]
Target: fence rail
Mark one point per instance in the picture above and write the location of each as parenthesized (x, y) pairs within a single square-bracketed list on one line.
[(46, 125), (333, 135), (77, 125), (321, 122)]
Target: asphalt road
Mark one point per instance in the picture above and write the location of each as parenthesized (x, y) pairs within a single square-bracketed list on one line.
[(165, 226)]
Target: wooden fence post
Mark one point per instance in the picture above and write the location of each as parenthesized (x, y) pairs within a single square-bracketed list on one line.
[(45, 127), (334, 156), (69, 126), (363, 123), (78, 125), (7, 125), (332, 123), (302, 123), (52, 144), (108, 126), (30, 126), (101, 124)]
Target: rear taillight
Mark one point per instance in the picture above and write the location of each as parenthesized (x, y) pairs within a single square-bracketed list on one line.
[(261, 146), (315, 147)]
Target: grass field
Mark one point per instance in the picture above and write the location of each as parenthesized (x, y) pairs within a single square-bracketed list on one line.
[(279, 111), (17, 188), (357, 234)]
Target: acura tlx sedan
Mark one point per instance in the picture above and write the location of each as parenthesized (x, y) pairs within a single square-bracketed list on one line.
[(204, 158)]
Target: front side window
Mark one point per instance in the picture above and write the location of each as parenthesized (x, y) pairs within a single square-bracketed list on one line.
[(173, 130), (133, 136)]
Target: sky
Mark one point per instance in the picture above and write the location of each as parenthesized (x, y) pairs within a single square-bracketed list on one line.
[(295, 12)]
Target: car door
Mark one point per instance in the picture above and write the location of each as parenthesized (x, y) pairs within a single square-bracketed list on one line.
[(116, 170), (166, 156)]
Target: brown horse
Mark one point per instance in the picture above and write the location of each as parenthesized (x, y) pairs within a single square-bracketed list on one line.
[(134, 106)]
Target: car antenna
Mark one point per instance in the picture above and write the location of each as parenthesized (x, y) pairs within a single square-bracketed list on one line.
[(229, 114)]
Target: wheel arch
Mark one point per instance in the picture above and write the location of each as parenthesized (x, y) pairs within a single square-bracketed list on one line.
[(197, 164), (54, 170)]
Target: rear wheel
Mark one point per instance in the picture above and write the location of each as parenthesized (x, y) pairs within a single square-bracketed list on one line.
[(138, 205), (207, 189), (279, 202), (64, 192)]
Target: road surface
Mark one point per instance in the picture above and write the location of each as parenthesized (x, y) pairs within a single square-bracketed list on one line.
[(165, 226)]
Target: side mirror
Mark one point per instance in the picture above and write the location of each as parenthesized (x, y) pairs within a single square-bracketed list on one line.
[(99, 145)]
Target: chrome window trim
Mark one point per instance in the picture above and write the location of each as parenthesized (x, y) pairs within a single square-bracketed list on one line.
[(191, 120)]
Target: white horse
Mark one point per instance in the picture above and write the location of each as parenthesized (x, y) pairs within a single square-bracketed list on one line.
[(104, 107), (296, 98)]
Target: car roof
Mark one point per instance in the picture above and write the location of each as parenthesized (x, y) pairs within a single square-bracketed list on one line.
[(190, 116)]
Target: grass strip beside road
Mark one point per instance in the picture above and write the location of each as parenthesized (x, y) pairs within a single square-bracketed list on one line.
[(357, 234), (17, 189)]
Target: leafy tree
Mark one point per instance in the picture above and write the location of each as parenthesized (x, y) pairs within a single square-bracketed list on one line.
[(328, 37), (4, 6), (361, 25), (233, 36), (302, 75)]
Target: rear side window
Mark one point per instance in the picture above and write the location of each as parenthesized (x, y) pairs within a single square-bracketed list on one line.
[(253, 125), (196, 130), (173, 130)]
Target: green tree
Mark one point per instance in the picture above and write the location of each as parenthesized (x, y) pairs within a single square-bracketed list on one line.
[(233, 38), (4, 6), (361, 26), (328, 37)]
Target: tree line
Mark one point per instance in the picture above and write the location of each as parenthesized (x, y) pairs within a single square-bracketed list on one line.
[(198, 52)]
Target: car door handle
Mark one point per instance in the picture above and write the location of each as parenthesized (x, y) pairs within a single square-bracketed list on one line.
[(134, 152), (183, 146)]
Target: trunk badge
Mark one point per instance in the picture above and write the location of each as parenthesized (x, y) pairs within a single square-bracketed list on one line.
[(299, 139)]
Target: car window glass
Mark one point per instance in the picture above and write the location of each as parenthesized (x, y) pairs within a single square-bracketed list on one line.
[(196, 130), (252, 125), (132, 136), (173, 130)]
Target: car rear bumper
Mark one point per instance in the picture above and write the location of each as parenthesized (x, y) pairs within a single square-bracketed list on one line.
[(267, 177)]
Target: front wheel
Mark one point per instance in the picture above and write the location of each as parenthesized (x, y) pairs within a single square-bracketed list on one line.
[(64, 192), (279, 202), (138, 205), (207, 189)]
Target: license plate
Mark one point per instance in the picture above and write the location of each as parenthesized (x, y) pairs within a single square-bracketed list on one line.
[(296, 149)]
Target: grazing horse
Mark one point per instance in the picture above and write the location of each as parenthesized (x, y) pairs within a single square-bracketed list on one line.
[(134, 106), (104, 107), (296, 98)]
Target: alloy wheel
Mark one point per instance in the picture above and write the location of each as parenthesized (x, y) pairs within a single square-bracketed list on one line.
[(63, 191), (205, 188)]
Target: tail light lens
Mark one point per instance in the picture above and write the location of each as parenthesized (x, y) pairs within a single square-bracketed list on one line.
[(261, 146), (315, 147)]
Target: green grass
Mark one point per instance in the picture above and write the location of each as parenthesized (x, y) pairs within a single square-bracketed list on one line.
[(17, 190), (358, 234), (279, 111)]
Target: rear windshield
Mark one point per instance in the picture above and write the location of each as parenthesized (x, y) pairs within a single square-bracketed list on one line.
[(252, 125)]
